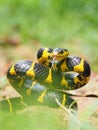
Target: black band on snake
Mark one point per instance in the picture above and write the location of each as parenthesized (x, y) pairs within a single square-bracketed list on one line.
[(54, 71)]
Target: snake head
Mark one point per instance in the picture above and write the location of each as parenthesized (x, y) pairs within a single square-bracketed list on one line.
[(60, 53)]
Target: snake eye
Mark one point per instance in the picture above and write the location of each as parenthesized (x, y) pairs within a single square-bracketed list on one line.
[(61, 51), (50, 50)]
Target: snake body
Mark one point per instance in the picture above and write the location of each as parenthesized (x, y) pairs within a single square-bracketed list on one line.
[(43, 81)]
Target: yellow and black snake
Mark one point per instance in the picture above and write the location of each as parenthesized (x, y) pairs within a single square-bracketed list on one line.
[(42, 82)]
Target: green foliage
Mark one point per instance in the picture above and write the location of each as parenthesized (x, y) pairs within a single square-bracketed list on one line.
[(53, 23), (31, 119), (3, 81), (42, 118), (49, 21)]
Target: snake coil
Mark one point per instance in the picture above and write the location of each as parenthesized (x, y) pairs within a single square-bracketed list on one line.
[(44, 81)]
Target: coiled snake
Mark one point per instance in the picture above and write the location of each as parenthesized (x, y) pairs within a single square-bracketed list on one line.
[(44, 81)]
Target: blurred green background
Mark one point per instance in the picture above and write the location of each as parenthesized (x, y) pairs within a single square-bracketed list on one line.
[(53, 23), (27, 25)]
